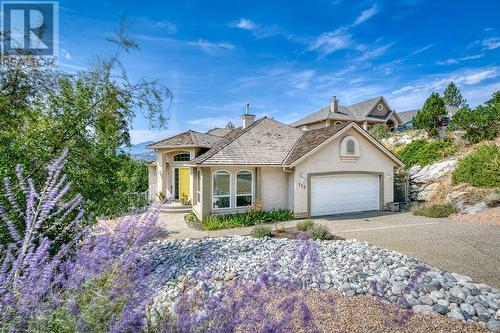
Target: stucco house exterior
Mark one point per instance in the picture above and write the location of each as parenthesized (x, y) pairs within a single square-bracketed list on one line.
[(366, 114), (328, 170)]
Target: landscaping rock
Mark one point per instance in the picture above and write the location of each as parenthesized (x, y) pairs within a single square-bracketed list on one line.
[(427, 309), (426, 300), (441, 309), (210, 264), (493, 325), (457, 314)]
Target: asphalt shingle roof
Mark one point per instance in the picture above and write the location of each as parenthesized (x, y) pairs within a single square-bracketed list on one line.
[(310, 140), (265, 142), (187, 139), (354, 112)]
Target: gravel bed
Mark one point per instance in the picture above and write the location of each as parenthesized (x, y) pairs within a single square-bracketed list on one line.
[(489, 216), (350, 267)]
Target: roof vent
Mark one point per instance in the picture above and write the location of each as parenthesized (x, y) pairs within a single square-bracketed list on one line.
[(334, 104), (248, 119)]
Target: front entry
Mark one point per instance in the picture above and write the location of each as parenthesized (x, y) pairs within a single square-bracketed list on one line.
[(181, 176)]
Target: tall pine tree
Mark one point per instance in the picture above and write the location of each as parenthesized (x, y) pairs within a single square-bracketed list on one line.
[(453, 97)]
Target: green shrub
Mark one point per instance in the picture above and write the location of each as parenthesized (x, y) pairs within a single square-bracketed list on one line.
[(434, 210), (423, 152), (305, 225), (380, 132), (481, 123), (261, 231), (319, 232), (217, 222), (191, 218), (481, 168)]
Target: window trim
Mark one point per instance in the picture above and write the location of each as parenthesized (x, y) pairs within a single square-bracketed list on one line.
[(344, 154), (198, 186), (221, 196), (179, 154), (236, 195)]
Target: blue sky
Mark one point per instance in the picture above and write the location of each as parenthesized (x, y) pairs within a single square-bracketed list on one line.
[(288, 59)]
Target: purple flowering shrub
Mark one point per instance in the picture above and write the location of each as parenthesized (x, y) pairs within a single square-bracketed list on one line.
[(56, 276), (31, 268)]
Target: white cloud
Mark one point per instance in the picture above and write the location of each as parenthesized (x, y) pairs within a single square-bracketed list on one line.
[(454, 61), (169, 27), (258, 30), (374, 52), (471, 82), (329, 42), (492, 43), (245, 24), (366, 14), (211, 47), (420, 50)]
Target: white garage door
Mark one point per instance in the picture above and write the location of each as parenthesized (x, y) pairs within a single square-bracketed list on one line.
[(344, 194)]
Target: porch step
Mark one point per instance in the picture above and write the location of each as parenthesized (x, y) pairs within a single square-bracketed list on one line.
[(175, 208)]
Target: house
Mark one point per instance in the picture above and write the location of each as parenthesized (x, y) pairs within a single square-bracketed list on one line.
[(407, 117), (328, 170), (366, 114)]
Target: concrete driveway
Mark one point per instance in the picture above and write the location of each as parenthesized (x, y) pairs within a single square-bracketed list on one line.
[(465, 248)]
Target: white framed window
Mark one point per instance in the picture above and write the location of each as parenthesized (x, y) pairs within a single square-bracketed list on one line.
[(349, 148), (244, 188), (183, 157), (221, 189), (198, 186)]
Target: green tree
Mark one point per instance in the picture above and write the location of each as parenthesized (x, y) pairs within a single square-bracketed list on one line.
[(90, 113), (432, 114), (453, 97), (481, 123)]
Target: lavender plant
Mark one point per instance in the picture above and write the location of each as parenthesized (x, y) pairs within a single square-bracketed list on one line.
[(96, 282), (30, 270)]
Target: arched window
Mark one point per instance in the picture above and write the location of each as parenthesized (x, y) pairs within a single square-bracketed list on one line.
[(338, 123), (221, 191), (349, 148), (182, 157), (244, 188)]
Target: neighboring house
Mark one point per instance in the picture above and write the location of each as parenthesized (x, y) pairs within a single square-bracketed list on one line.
[(407, 117), (366, 114), (330, 170)]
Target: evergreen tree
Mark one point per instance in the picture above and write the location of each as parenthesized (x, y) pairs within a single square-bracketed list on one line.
[(432, 114), (453, 97)]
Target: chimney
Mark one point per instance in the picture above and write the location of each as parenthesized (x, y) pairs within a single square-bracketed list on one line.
[(334, 104), (247, 118)]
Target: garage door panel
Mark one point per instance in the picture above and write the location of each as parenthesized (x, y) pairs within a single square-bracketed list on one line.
[(344, 194)]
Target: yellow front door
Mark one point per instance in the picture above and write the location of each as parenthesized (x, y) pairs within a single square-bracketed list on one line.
[(184, 182)]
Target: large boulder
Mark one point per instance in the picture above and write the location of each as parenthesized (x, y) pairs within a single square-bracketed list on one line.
[(434, 171)]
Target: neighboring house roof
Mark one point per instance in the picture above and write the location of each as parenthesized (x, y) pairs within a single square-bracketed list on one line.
[(265, 142), (407, 116), (187, 139), (355, 112), (220, 132)]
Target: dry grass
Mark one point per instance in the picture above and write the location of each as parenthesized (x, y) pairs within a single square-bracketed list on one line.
[(332, 312), (490, 216)]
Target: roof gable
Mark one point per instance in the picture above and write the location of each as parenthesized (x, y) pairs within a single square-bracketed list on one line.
[(294, 160)]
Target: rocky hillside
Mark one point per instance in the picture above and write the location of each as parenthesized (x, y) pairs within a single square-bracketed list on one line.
[(433, 182)]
